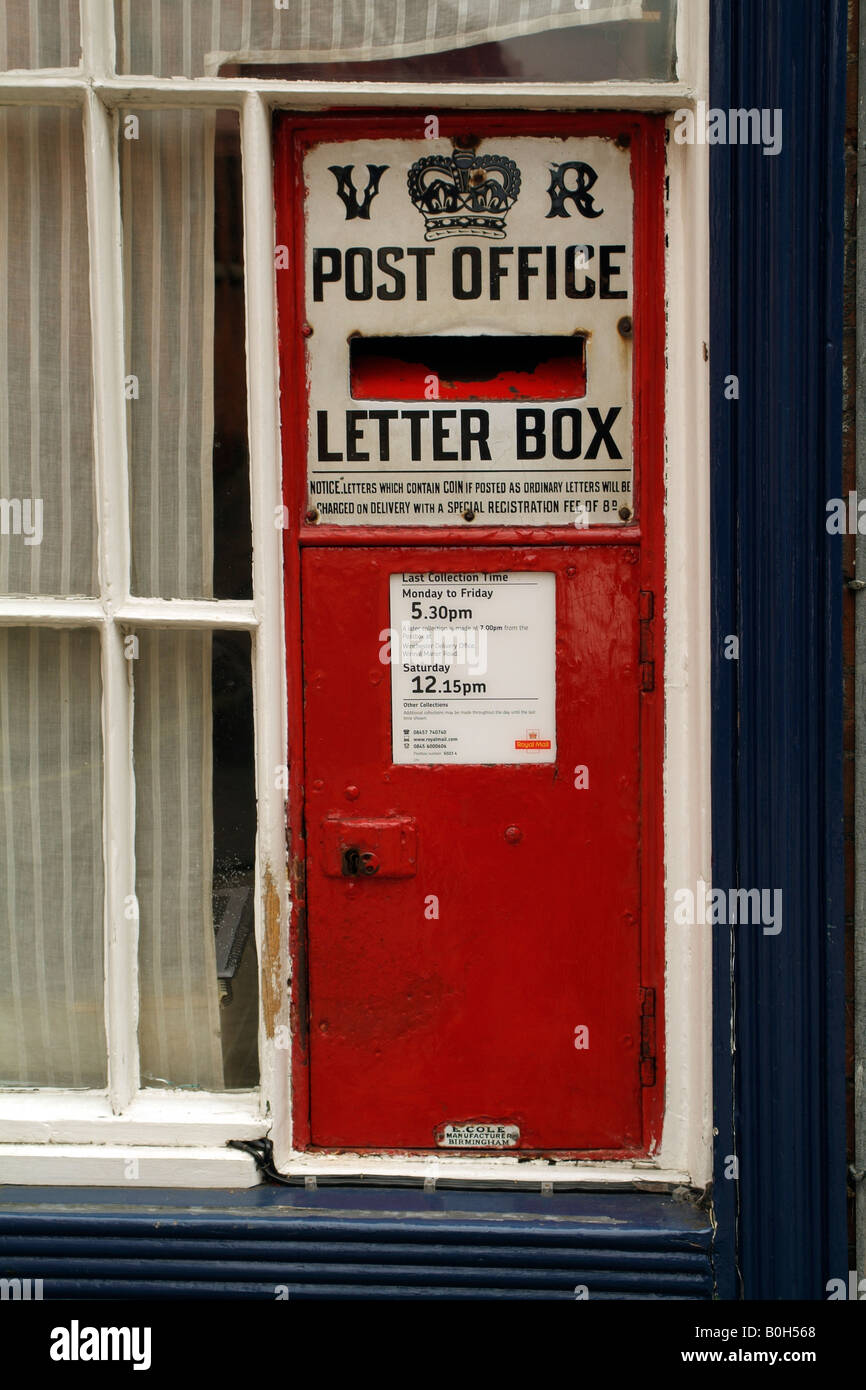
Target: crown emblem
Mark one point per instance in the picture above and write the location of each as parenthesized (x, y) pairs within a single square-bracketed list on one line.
[(464, 194)]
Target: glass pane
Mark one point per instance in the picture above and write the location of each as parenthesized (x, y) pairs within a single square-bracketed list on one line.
[(52, 1030), (40, 34), (195, 859), (47, 503), (391, 40), (186, 405)]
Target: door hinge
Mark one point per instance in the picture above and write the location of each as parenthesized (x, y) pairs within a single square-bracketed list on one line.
[(647, 1037), (647, 663)]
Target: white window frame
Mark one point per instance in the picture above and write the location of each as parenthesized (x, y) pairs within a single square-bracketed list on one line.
[(174, 1138)]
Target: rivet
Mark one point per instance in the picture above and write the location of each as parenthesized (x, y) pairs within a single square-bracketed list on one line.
[(352, 793), (469, 514), (625, 327), (514, 834), (313, 514), (625, 513), (307, 330), (623, 141)]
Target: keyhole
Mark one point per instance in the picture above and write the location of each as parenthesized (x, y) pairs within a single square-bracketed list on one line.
[(351, 862)]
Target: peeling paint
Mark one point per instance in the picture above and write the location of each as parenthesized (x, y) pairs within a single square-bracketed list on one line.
[(272, 986)]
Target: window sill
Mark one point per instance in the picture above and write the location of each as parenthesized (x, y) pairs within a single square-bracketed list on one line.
[(638, 1175), (43, 1117), (128, 1166)]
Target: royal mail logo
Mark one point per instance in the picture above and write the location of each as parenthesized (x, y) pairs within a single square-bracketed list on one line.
[(464, 194), (532, 740)]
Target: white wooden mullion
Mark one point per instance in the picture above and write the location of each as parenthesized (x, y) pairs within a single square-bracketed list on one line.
[(63, 88), (40, 611), (239, 614), (97, 37), (51, 612), (106, 312), (66, 86), (269, 683), (42, 89), (529, 96)]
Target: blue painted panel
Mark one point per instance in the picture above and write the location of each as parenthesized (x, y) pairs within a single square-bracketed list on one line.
[(776, 314), (354, 1242)]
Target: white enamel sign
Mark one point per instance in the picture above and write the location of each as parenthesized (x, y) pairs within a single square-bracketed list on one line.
[(469, 353), (478, 1136), (473, 667)]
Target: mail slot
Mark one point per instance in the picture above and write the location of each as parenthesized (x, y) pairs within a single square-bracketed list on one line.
[(483, 368), (472, 339)]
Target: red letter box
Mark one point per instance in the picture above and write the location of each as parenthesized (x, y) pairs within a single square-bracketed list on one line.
[(472, 341)]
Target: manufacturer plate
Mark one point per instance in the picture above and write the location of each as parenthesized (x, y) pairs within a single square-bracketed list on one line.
[(477, 1136)]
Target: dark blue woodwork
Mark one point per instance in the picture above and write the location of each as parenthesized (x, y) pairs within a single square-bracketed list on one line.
[(358, 1242), (776, 321)]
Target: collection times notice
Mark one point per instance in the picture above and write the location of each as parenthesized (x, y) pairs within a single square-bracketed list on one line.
[(473, 667)]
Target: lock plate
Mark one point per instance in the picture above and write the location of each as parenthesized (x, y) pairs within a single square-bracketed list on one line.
[(369, 848)]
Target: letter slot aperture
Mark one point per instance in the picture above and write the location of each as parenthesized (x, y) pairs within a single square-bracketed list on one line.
[(484, 367)]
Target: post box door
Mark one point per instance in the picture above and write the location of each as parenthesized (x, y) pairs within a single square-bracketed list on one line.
[(476, 980)]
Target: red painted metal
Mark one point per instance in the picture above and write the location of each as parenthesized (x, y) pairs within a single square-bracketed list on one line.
[(535, 937), (416, 1019)]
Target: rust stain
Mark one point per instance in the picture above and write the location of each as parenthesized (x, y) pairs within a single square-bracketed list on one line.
[(299, 1007), (272, 992)]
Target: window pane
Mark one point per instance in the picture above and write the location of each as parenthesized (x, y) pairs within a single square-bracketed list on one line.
[(40, 34), (186, 412), (418, 40), (47, 506), (195, 859), (52, 1030)]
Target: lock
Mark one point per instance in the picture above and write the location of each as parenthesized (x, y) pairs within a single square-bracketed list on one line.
[(356, 863), (350, 862), (358, 847)]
